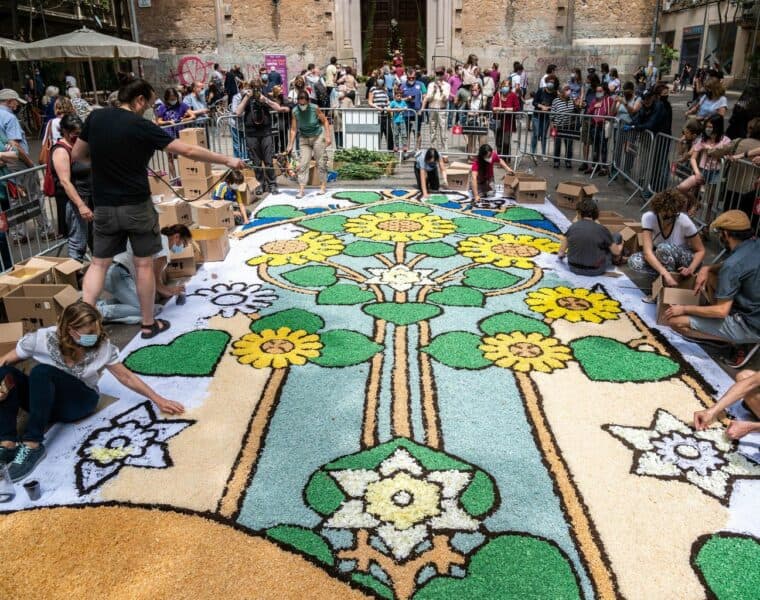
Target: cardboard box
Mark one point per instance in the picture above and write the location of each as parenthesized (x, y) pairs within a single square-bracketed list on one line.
[(193, 169), (44, 270), (66, 270), (212, 242), (10, 333), (214, 213), (531, 190), (198, 188), (159, 188), (630, 238), (195, 136), (175, 211), (610, 217), (569, 193), (668, 296), (38, 305), (458, 178), (181, 264)]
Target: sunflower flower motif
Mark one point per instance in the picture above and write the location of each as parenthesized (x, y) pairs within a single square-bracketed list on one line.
[(525, 353), (573, 305), (400, 277), (670, 449), (277, 349), (311, 246), (399, 227), (402, 502), (506, 250), (228, 299)]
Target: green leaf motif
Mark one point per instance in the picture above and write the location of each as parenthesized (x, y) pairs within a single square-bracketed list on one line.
[(489, 279), (437, 199), (510, 567), (458, 295), (192, 354), (405, 207), (360, 197), (471, 225), (433, 460), (434, 249), (480, 496), (520, 213), (344, 293), (315, 276), (402, 314), (326, 224), (510, 321), (294, 318), (605, 359), (730, 565), (281, 211), (373, 583), (323, 494), (459, 350), (344, 348), (363, 249), (303, 540)]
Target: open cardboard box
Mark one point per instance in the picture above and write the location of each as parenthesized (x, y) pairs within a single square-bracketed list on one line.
[(610, 217), (630, 237), (175, 211), (458, 177), (214, 213), (38, 305), (569, 193), (42, 270), (181, 264), (10, 333), (668, 296), (212, 242), (195, 136), (159, 188), (531, 190)]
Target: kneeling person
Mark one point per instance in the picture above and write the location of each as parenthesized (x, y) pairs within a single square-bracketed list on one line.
[(588, 245)]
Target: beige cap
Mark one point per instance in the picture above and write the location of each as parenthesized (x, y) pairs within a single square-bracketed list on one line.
[(9, 94), (732, 220)]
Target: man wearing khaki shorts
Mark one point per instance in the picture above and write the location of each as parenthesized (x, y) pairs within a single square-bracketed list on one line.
[(120, 143)]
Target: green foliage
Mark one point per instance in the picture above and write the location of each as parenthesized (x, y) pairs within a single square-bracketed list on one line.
[(730, 565), (192, 354), (361, 156), (667, 56), (402, 314), (345, 348), (303, 540), (293, 318), (316, 276), (605, 359), (459, 350), (359, 171), (344, 293)]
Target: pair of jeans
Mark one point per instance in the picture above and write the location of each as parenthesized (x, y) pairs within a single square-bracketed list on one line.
[(50, 395), (599, 143), (78, 230), (124, 305), (261, 150), (540, 125), (558, 148), (386, 129), (239, 148), (399, 135)]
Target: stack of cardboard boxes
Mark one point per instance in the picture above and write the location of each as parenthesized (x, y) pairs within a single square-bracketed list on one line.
[(196, 176)]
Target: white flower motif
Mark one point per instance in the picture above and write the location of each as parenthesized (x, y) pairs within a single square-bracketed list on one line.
[(400, 277), (227, 299), (670, 449), (402, 502)]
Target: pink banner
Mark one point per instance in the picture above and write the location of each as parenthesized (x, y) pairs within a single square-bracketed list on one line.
[(280, 64)]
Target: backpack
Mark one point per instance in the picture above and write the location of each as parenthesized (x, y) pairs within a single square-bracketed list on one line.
[(320, 91)]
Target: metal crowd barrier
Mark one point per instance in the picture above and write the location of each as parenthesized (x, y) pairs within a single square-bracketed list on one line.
[(631, 159), (739, 190), (28, 222)]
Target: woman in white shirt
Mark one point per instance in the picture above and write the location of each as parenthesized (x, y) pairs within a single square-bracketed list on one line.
[(670, 239), (63, 386)]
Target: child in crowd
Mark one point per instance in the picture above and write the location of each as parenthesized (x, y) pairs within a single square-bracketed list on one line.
[(397, 108), (589, 246), (229, 189)]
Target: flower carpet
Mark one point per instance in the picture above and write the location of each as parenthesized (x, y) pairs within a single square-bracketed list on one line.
[(395, 399)]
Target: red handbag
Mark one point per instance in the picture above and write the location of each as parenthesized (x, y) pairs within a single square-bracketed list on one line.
[(553, 131), (456, 130)]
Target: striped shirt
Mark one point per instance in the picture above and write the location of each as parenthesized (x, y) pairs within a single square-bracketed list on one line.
[(562, 110), (379, 97)]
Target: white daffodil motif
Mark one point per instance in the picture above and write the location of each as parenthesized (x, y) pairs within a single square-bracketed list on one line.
[(670, 449), (227, 299), (400, 277), (402, 502)]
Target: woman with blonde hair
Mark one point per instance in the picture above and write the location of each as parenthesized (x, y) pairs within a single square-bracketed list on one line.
[(63, 386), (714, 101)]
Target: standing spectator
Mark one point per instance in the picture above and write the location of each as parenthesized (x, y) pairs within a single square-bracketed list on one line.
[(282, 123), (81, 105), (550, 70), (583, 103), (48, 102), (313, 128), (63, 107), (273, 79), (470, 71), (489, 88), (196, 100), (455, 82), (747, 107), (505, 103), (316, 86), (600, 108), (239, 147), (412, 91), (349, 81), (662, 92), (121, 143), (331, 75), (437, 99), (39, 83), (476, 119), (397, 109), (575, 83), (605, 73), (495, 74), (398, 63), (170, 113), (7, 155), (652, 114), (73, 188), (255, 109), (344, 102), (379, 100), (542, 104), (230, 85), (713, 102), (740, 182), (563, 108), (69, 79), (217, 77)]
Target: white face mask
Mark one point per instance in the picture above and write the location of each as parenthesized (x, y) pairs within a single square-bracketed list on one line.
[(234, 187)]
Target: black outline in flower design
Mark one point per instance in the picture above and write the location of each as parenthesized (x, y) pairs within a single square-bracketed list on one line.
[(138, 424), (251, 298)]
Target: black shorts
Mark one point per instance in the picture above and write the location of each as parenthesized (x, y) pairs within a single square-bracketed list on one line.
[(114, 225)]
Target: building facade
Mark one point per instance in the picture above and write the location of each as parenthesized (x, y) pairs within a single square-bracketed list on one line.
[(192, 35)]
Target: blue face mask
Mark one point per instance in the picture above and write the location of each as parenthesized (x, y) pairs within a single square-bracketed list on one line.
[(87, 340), (177, 249), (504, 90)]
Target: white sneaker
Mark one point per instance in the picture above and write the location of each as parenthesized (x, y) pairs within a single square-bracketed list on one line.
[(544, 158)]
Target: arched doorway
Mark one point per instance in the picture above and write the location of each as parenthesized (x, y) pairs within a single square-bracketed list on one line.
[(390, 24)]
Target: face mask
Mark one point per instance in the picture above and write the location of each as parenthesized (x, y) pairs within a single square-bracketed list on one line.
[(302, 107), (341, 95), (550, 86), (504, 90), (87, 340), (234, 187), (74, 139), (264, 77), (600, 95), (177, 248), (476, 93), (708, 131), (572, 77)]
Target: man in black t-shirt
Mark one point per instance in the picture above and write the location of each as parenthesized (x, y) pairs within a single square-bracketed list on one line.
[(120, 143)]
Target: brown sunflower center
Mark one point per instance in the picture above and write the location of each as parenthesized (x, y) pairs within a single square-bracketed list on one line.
[(400, 226), (277, 346), (525, 350), (515, 250), (573, 303), (284, 247)]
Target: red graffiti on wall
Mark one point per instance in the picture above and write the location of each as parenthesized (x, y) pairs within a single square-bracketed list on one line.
[(194, 68)]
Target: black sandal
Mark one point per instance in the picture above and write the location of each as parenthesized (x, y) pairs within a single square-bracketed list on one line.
[(158, 326)]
